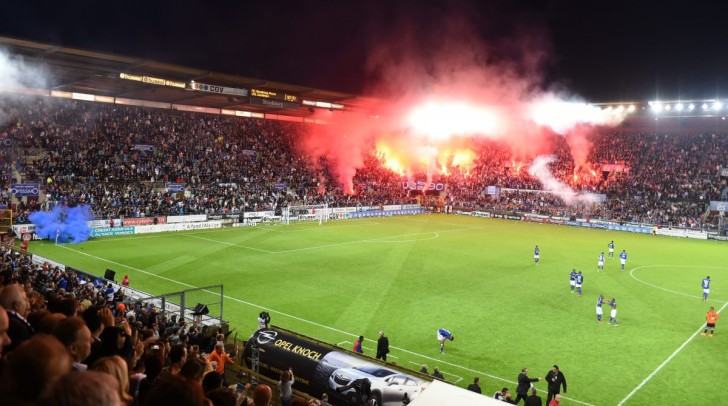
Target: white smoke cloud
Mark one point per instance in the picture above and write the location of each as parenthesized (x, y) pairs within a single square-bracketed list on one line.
[(540, 170), (16, 74)]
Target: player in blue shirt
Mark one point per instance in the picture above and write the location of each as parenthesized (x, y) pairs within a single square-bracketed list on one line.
[(572, 280), (579, 280), (611, 249), (613, 313), (536, 255), (706, 288), (600, 301), (442, 335), (600, 262), (623, 258)]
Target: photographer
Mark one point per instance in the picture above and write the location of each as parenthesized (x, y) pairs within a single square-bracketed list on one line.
[(263, 320)]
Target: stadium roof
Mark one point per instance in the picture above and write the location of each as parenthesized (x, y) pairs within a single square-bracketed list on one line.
[(87, 72), (97, 73)]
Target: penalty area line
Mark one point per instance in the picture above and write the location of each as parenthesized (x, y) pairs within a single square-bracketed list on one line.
[(650, 376)]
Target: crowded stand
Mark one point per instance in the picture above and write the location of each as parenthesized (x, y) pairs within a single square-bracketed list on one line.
[(119, 158), (57, 321)]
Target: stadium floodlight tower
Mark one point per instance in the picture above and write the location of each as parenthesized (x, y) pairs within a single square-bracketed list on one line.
[(309, 212)]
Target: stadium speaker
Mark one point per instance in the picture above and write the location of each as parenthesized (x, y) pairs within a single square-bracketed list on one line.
[(200, 310), (109, 275)]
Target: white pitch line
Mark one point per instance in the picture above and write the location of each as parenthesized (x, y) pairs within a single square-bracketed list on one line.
[(381, 239), (460, 378), (305, 321), (317, 228), (366, 348), (375, 240), (231, 244), (650, 376), (631, 273)]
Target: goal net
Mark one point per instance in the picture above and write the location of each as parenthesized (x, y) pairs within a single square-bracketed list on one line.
[(311, 212)]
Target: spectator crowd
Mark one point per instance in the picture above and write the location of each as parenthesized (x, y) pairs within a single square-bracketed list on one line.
[(119, 158), (66, 339)]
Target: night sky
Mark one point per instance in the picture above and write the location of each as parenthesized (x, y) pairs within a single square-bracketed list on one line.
[(600, 51)]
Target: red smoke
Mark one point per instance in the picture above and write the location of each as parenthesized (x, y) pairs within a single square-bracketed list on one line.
[(442, 91)]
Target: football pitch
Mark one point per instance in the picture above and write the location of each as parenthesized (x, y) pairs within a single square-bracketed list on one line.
[(411, 275)]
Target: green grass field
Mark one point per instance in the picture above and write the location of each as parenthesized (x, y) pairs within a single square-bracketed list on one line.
[(411, 275)]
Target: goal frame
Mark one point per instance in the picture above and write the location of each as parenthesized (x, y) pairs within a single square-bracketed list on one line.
[(306, 212)]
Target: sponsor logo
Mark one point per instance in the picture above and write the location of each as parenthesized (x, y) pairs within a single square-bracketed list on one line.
[(25, 189), (267, 336)]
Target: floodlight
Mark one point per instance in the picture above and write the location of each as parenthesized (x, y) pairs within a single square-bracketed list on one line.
[(679, 107), (668, 107), (717, 105), (691, 107), (631, 108), (656, 107), (705, 106)]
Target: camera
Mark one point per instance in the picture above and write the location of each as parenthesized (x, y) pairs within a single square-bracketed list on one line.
[(265, 316)]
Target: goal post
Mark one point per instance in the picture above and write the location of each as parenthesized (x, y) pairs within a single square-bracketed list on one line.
[(309, 212)]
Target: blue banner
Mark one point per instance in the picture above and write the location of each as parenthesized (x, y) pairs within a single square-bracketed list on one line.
[(144, 148), (280, 185), (175, 187), (25, 189), (383, 213), (716, 205)]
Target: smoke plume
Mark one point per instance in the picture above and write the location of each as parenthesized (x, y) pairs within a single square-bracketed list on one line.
[(441, 89), (67, 224)]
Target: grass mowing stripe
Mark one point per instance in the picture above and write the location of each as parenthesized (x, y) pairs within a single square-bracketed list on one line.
[(481, 283), (230, 244), (307, 321), (650, 376)]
